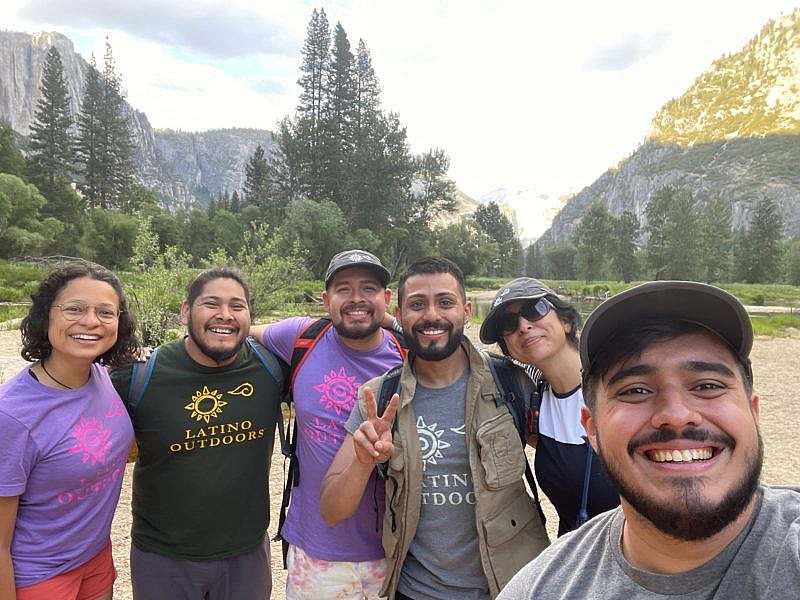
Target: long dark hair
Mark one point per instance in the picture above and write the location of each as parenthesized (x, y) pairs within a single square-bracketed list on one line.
[(35, 341)]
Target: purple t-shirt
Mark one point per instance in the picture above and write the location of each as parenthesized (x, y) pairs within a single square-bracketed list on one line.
[(63, 452), (325, 391)]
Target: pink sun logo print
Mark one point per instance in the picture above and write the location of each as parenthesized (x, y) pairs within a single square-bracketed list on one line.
[(338, 391), (92, 440)]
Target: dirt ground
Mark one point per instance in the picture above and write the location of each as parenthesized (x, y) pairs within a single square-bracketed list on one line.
[(777, 376)]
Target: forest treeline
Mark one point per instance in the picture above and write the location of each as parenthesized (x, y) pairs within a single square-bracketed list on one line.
[(340, 174)]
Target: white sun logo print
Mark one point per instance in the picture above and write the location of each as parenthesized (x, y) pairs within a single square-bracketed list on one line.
[(430, 442)]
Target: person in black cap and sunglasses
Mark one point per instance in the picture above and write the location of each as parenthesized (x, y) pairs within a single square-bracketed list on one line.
[(672, 414), (539, 330)]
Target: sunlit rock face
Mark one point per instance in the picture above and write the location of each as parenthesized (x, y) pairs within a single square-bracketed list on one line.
[(735, 133)]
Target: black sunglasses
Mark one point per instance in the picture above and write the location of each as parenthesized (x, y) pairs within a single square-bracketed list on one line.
[(532, 310)]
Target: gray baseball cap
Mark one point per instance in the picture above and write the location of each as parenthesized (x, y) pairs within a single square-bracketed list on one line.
[(700, 303), (357, 258), (522, 288)]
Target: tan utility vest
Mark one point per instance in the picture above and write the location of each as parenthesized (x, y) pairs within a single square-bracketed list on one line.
[(510, 532)]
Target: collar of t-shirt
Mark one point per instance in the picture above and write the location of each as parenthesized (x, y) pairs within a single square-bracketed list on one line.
[(708, 574)]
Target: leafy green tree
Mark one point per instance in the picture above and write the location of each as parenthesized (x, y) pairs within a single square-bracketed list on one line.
[(109, 238), (467, 246), (11, 160), (716, 219), (623, 246), (50, 140), (22, 230), (317, 230), (592, 241), (560, 261), (491, 221), (198, 236)]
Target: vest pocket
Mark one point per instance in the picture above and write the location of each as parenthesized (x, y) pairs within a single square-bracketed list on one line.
[(514, 537), (502, 455)]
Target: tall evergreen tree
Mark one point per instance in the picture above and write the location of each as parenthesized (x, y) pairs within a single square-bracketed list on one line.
[(716, 220), (762, 249), (675, 245), (88, 142), (336, 143), (104, 145), (51, 143), (313, 74), (623, 246), (657, 214), (592, 240)]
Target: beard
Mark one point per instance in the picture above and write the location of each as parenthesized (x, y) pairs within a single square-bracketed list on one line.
[(359, 331), (219, 354), (433, 352), (688, 516)]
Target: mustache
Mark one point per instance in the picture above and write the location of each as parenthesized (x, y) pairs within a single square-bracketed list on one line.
[(433, 325), (687, 433)]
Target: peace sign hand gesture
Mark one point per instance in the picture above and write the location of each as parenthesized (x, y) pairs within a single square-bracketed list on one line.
[(373, 438)]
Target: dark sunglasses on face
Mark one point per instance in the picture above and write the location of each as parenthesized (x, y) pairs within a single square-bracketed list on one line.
[(532, 310)]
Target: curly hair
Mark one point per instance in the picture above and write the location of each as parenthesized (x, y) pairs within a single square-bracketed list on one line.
[(34, 327)]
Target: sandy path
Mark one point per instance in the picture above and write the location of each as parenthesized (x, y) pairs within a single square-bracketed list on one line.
[(775, 363)]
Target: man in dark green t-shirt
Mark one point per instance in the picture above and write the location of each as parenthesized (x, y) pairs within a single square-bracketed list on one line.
[(205, 428)]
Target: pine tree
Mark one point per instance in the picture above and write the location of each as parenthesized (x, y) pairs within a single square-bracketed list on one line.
[(495, 224), (623, 246), (591, 239), (104, 146), (656, 214), (763, 250), (336, 142), (316, 63), (716, 220), (51, 144), (256, 180), (89, 138)]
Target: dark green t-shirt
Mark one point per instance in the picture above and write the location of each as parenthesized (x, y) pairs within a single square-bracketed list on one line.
[(205, 436)]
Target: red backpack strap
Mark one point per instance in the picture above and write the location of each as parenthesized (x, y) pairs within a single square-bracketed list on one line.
[(401, 348), (304, 342)]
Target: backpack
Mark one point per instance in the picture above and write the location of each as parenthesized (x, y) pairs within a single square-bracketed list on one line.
[(305, 341), (142, 371), (523, 407)]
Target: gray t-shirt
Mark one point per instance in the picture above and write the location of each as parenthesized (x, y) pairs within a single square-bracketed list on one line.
[(443, 561), (763, 561)]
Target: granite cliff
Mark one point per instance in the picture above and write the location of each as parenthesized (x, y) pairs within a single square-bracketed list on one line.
[(734, 133), (181, 167)]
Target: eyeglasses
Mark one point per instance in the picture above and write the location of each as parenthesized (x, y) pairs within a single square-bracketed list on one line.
[(532, 310), (75, 311)]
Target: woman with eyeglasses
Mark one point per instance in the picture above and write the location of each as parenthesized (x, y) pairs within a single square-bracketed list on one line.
[(539, 331), (64, 440)]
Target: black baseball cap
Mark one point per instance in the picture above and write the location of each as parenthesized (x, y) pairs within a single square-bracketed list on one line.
[(522, 288), (705, 305), (357, 258)]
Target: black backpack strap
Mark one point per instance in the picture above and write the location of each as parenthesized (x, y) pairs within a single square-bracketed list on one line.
[(390, 385), (523, 406), (141, 372)]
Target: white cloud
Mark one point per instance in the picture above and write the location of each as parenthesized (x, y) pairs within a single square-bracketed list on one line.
[(508, 89)]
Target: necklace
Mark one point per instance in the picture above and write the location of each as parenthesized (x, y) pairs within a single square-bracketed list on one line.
[(64, 385)]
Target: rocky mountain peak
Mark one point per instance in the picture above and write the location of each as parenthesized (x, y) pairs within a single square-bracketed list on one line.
[(753, 92)]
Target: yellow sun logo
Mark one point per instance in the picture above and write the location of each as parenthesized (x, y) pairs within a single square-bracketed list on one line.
[(206, 405)]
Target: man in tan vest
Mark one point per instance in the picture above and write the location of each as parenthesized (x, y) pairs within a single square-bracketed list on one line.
[(458, 520)]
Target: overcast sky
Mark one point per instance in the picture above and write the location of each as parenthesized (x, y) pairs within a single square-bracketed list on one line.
[(522, 95)]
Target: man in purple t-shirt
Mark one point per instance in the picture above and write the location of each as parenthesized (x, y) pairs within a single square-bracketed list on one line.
[(346, 560)]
